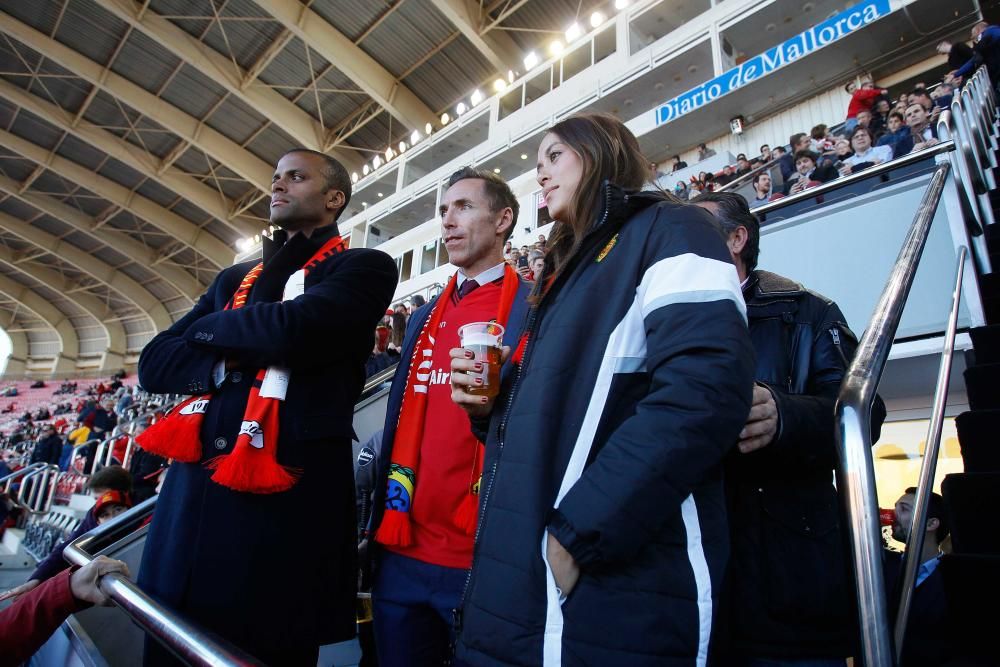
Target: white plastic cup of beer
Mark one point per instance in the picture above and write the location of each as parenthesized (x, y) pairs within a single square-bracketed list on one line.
[(484, 340)]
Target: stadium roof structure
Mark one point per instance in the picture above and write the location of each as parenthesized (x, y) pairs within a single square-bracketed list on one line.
[(137, 138)]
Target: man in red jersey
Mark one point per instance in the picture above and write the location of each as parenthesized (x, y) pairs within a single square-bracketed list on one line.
[(426, 502)]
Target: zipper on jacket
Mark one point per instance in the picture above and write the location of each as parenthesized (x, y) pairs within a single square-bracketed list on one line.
[(502, 429), (840, 350)]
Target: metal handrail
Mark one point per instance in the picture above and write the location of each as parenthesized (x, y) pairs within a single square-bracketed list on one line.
[(915, 542), (8, 480), (185, 640), (383, 375), (843, 181), (856, 473), (38, 488)]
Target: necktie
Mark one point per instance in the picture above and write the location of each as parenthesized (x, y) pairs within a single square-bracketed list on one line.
[(466, 287)]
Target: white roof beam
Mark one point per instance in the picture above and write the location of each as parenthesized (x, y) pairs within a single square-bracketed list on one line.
[(17, 362), (184, 231), (226, 73), (350, 59), (113, 330), (497, 47), (132, 291), (190, 188), (240, 160), (145, 256), (69, 343)]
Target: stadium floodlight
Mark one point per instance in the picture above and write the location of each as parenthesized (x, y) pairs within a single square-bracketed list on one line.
[(530, 60), (377, 162), (428, 128), (499, 85), (573, 32), (365, 169), (461, 108), (445, 118), (556, 47), (596, 19), (621, 4)]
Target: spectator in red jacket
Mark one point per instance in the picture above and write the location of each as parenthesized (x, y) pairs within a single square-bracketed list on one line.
[(861, 99), (31, 620)]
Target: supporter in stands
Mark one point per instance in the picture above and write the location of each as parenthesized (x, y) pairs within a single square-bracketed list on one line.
[(537, 265), (820, 139), (124, 401), (861, 99), (248, 522), (880, 116), (678, 164), (30, 621), (704, 152), (76, 438), (110, 478), (399, 331), (842, 151), (943, 95), (416, 302), (726, 176), (681, 190), (110, 504), (799, 141), (807, 174), (958, 53), (923, 98), (928, 639), (597, 489), (366, 463), (38, 384), (896, 130), (985, 51), (922, 133), (146, 469), (430, 463), (761, 188), (103, 423), (765, 154), (742, 165), (787, 596), (865, 154), (48, 448)]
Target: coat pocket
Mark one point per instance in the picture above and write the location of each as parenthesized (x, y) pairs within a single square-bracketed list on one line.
[(804, 567)]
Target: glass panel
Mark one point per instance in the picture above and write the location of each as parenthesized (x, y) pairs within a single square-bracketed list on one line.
[(407, 266), (510, 102), (428, 257), (604, 44), (576, 62), (538, 86)]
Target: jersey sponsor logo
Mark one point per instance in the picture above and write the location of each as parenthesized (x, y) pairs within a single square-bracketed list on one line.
[(255, 432)]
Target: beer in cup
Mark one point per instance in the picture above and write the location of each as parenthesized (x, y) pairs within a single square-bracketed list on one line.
[(484, 340)]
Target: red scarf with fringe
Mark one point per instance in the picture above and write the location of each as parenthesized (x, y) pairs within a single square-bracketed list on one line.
[(253, 465), (397, 526)]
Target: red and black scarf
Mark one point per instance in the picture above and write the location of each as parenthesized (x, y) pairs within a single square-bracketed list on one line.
[(397, 528), (253, 465)]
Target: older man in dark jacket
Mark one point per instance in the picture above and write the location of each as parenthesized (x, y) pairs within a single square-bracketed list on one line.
[(787, 594), (48, 448), (272, 570)]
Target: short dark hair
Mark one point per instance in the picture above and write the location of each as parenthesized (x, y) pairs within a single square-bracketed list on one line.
[(115, 478), (762, 172), (335, 174), (497, 191), (935, 510), (806, 153), (732, 211), (818, 132), (897, 115), (796, 138), (862, 129), (763, 146), (920, 92)]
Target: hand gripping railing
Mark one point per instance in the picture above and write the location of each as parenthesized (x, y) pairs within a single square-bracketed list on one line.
[(187, 642), (856, 473)]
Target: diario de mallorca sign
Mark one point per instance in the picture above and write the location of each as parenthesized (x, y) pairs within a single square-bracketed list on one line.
[(829, 31)]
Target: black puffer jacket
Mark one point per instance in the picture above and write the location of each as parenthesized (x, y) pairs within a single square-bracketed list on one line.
[(788, 591), (635, 383)]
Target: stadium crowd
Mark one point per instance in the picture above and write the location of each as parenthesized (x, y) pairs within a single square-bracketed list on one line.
[(674, 505)]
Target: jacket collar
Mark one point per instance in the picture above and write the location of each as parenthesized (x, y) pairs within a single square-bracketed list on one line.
[(619, 204), (298, 244)]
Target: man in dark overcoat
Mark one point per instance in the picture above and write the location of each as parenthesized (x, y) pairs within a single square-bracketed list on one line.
[(272, 573)]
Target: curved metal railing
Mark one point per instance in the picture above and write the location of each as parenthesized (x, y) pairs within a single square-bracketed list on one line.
[(184, 639)]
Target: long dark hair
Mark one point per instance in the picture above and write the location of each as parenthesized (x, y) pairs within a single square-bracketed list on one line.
[(608, 151)]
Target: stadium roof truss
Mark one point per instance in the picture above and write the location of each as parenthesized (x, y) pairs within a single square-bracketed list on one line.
[(137, 138)]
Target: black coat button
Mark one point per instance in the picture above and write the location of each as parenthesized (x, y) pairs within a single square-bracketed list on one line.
[(220, 443), (236, 377)]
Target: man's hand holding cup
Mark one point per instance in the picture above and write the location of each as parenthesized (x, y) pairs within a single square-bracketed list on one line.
[(475, 367)]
